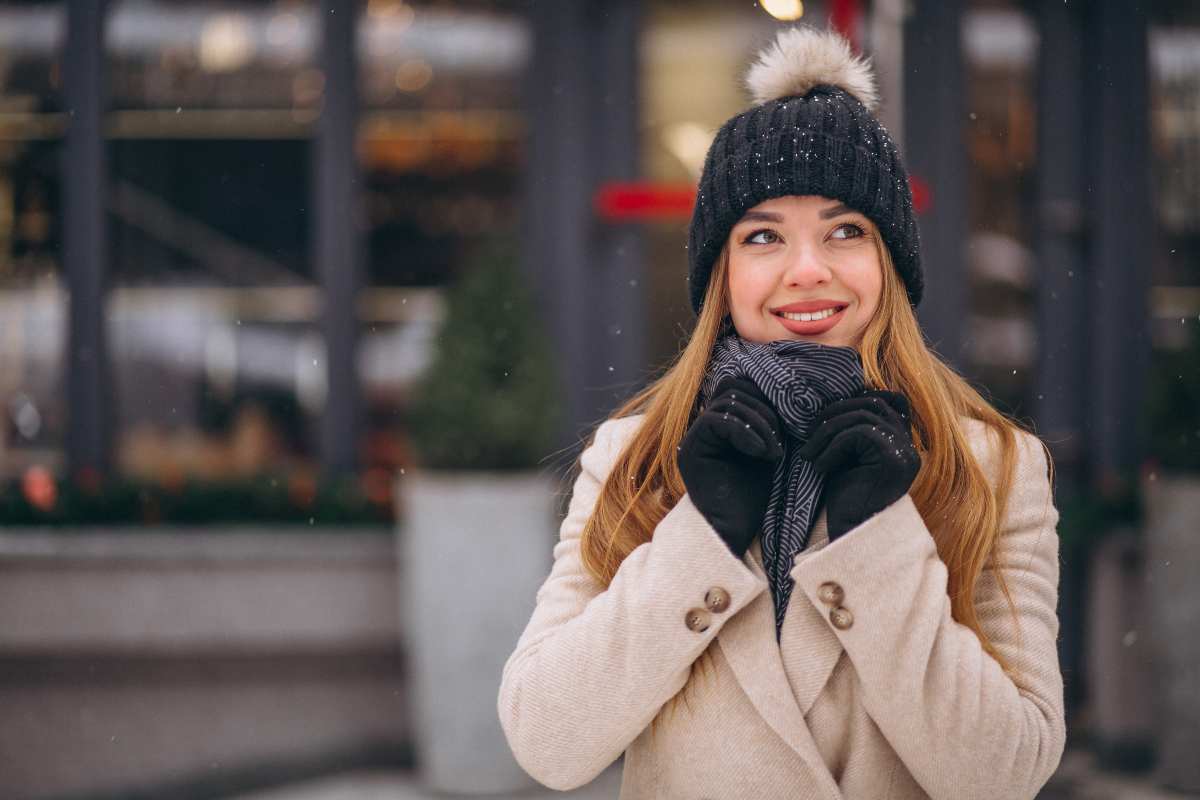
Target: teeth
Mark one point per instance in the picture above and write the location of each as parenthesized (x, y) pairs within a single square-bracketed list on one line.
[(805, 316)]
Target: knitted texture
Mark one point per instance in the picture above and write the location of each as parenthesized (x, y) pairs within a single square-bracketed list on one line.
[(823, 143)]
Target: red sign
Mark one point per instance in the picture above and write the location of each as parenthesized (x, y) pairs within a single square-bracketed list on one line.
[(623, 202)]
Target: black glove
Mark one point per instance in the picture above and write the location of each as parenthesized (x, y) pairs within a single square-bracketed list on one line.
[(727, 459), (864, 447)]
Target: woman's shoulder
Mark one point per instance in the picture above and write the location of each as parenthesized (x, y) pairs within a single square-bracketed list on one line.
[(984, 441), (609, 440), (612, 434)]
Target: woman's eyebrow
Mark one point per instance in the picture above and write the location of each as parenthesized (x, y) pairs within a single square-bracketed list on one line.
[(760, 216), (837, 211)]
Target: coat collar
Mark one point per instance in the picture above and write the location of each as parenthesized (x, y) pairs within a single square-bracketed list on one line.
[(782, 679)]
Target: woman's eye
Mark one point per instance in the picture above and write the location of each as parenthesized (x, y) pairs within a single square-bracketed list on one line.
[(764, 232), (851, 230)]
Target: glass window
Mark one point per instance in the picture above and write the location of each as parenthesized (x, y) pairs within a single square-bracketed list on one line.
[(1000, 44), (440, 151), (217, 359), (32, 299)]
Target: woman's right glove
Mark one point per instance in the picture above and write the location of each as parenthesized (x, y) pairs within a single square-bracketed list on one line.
[(728, 458)]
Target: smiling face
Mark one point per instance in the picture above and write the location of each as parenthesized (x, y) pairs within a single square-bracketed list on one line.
[(810, 258)]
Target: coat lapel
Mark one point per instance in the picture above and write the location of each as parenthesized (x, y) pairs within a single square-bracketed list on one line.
[(748, 643), (809, 649)]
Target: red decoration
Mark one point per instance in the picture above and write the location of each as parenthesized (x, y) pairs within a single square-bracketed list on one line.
[(922, 194), (845, 17), (37, 484), (622, 202)]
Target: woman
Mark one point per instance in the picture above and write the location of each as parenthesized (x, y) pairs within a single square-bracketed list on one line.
[(809, 561)]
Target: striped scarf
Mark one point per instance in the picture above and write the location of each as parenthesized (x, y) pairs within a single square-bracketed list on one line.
[(799, 378)]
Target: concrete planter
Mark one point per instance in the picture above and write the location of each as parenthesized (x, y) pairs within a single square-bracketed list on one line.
[(475, 548), (1172, 553), (139, 663), (1120, 668)]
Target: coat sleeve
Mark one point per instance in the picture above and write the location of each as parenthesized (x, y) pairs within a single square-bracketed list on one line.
[(594, 666), (961, 726)]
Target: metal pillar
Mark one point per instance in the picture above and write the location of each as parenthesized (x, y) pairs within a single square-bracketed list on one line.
[(1062, 272), (338, 239), (1061, 368), (85, 240), (580, 96), (1118, 189), (934, 110)]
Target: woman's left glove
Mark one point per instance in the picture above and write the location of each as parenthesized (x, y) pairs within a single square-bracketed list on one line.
[(864, 447)]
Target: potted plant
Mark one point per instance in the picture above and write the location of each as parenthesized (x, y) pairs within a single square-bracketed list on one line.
[(1172, 492), (477, 520)]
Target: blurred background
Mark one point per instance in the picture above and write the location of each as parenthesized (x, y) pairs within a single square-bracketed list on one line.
[(284, 281)]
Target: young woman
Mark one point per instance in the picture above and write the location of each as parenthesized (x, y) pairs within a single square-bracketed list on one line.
[(809, 561)]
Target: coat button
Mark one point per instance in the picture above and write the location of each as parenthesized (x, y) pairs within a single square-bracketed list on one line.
[(830, 593), (717, 600), (841, 618), (697, 619)]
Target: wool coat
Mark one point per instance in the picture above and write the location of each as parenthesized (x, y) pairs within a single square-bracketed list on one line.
[(873, 691)]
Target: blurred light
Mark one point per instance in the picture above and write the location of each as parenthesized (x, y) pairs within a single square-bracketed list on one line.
[(393, 12), (311, 376), (37, 484), (25, 416), (307, 87), (413, 75), (688, 141), (283, 29), (786, 10), (226, 43), (220, 360)]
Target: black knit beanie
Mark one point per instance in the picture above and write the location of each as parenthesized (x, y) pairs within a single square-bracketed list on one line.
[(811, 131)]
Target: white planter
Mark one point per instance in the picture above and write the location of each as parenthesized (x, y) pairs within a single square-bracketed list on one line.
[(1172, 554), (474, 548)]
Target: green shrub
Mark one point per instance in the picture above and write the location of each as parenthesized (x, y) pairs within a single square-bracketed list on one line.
[(1173, 405), (490, 397)]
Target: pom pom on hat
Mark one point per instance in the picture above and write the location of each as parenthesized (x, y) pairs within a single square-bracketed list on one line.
[(803, 57)]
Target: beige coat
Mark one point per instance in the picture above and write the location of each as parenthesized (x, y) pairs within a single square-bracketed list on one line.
[(874, 691)]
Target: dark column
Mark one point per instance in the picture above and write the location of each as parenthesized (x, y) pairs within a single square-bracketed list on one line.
[(85, 240), (581, 99), (618, 249), (337, 246), (935, 152), (1063, 275), (1062, 279), (1118, 190)]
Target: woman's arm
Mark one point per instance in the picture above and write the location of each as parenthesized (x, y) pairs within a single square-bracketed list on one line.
[(962, 727), (594, 666)]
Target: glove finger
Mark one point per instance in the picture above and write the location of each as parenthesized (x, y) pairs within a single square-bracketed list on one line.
[(759, 413), (897, 402), (753, 408), (821, 435), (870, 402), (725, 427), (847, 447), (741, 413)]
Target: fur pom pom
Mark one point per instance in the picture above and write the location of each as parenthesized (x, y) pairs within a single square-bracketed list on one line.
[(803, 57)]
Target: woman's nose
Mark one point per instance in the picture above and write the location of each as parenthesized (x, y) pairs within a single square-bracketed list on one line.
[(805, 269)]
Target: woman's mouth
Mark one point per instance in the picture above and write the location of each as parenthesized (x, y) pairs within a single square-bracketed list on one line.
[(813, 322)]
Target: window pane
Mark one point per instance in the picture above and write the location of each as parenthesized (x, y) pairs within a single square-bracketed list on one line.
[(32, 300), (217, 361)]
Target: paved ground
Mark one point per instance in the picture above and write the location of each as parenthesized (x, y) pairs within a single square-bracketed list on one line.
[(1077, 779), (401, 786)]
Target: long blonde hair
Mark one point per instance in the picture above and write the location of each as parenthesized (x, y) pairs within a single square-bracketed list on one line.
[(951, 491)]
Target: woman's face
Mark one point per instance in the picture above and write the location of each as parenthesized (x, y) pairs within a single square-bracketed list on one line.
[(811, 257)]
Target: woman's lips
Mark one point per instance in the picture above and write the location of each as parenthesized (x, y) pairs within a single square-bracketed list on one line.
[(813, 327)]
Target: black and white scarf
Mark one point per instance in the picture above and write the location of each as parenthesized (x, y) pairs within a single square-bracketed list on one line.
[(799, 378)]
